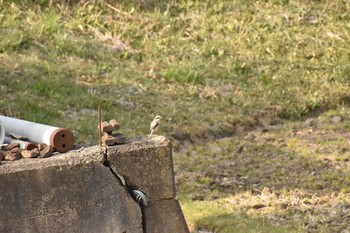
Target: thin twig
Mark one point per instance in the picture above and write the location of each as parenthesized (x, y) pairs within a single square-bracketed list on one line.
[(119, 11), (99, 126)]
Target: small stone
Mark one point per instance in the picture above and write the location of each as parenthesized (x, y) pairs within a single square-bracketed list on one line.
[(336, 119), (15, 150), (14, 154), (115, 124), (120, 138), (47, 152), (110, 140), (107, 127), (26, 154), (11, 146), (12, 157), (30, 153), (35, 150), (41, 146), (2, 155)]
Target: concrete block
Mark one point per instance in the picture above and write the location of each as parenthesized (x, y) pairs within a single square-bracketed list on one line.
[(72, 192), (164, 216), (146, 163)]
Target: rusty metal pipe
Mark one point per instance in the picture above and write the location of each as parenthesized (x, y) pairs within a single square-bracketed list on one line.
[(61, 139), (23, 144)]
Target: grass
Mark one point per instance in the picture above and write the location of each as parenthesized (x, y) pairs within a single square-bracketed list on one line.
[(216, 216), (292, 176), (212, 69), (267, 211), (242, 60)]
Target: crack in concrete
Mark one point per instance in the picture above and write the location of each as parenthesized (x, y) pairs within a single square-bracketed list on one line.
[(113, 170), (122, 181), (115, 173)]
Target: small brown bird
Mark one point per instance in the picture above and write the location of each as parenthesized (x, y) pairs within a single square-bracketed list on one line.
[(154, 125)]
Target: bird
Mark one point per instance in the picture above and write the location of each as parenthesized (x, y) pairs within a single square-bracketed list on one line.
[(154, 125)]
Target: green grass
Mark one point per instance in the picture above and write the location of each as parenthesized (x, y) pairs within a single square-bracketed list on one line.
[(212, 69), (292, 176), (216, 216), (242, 60)]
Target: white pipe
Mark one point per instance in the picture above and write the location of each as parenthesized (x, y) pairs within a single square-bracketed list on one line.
[(23, 144), (61, 139), (2, 133)]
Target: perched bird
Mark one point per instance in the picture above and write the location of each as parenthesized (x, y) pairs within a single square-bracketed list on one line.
[(154, 125)]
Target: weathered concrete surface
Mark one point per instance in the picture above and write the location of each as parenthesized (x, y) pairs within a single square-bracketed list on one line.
[(146, 164), (72, 192), (164, 216), (75, 192)]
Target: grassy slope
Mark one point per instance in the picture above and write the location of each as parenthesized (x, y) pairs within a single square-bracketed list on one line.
[(294, 175), (210, 68)]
